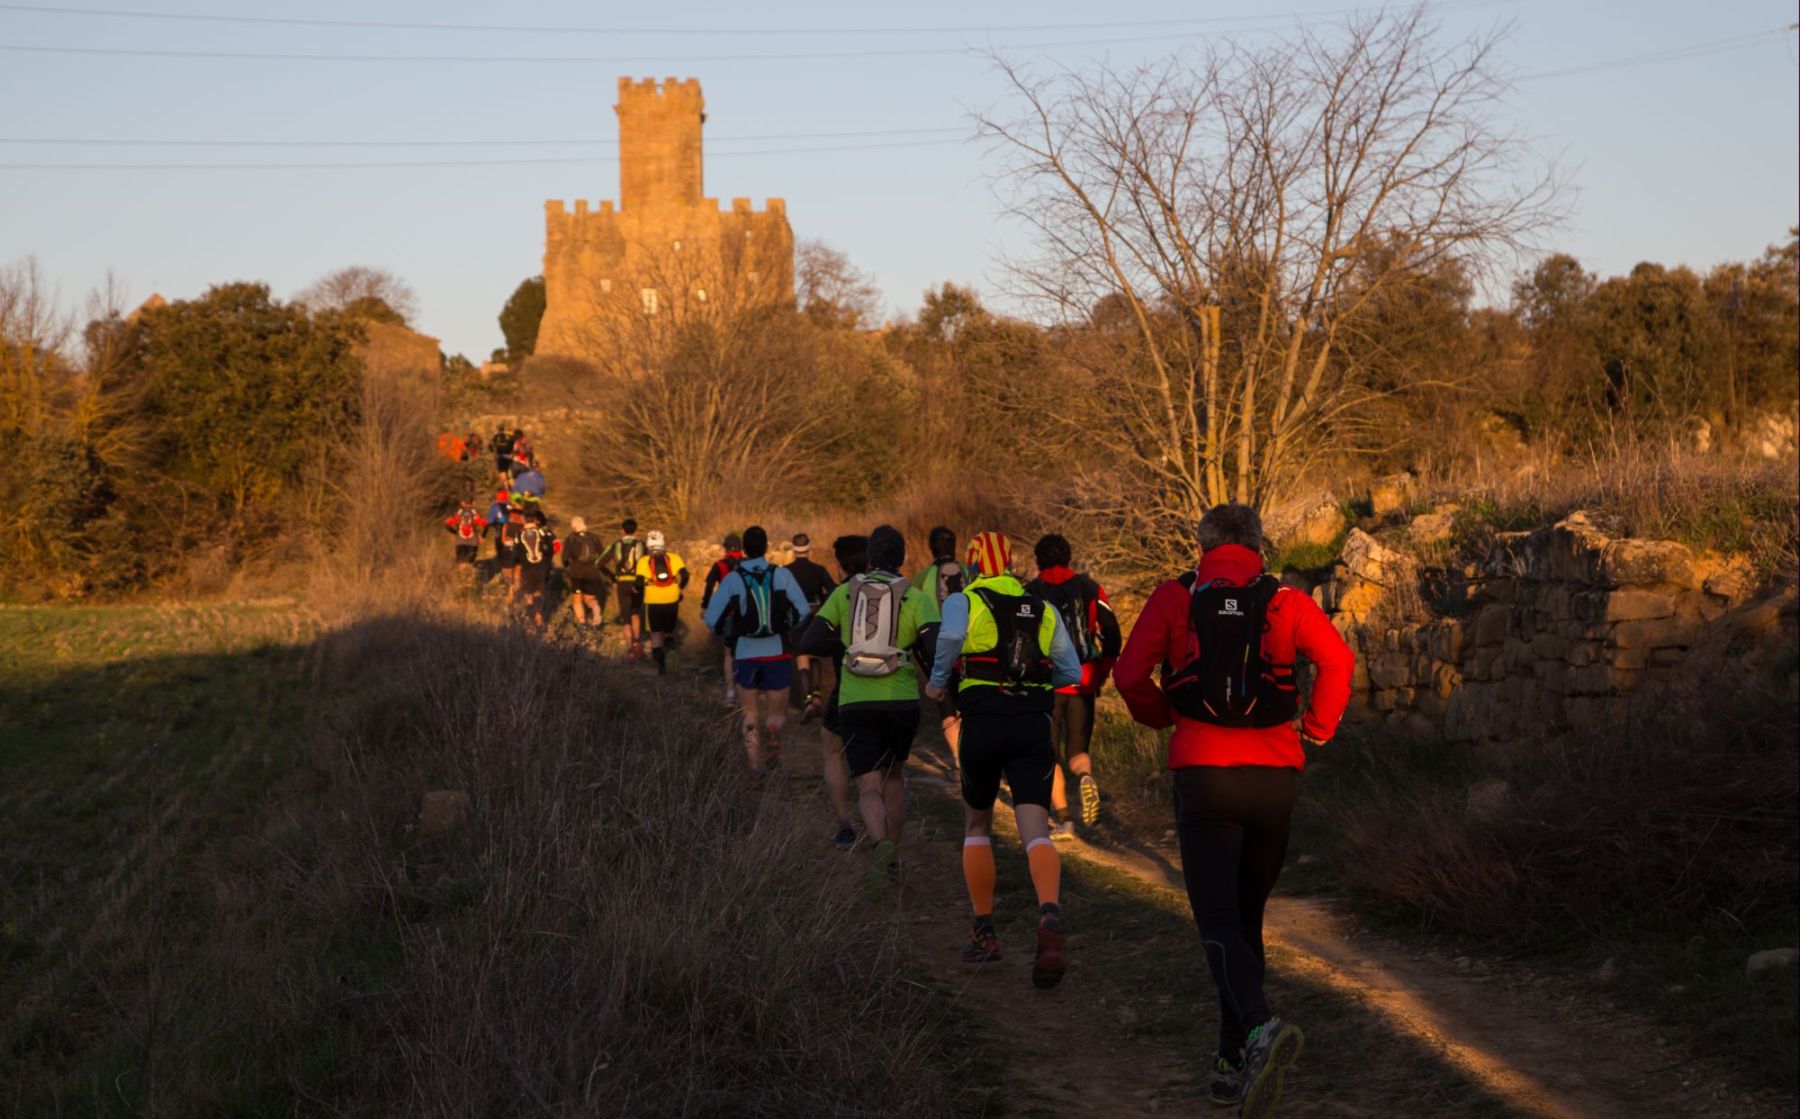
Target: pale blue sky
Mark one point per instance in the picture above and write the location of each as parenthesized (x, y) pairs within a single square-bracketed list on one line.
[(1686, 160)]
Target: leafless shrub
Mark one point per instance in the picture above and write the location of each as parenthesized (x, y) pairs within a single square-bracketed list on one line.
[(338, 291)]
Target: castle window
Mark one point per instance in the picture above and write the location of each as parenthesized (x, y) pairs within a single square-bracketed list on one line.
[(605, 286), (700, 294), (755, 276), (648, 295), (678, 246)]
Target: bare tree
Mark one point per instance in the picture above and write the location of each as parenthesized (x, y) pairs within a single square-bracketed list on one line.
[(830, 288), (340, 290), (1219, 220)]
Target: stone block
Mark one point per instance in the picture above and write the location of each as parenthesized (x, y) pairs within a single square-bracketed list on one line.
[(1654, 633), (1447, 641), (1446, 680), (1550, 646), (1492, 625), (1646, 563), (1583, 652), (1554, 675), (442, 810), (1390, 671), (1635, 605), (1730, 578), (1632, 659), (1382, 700), (1389, 495), (1431, 530), (1663, 657), (1601, 679)]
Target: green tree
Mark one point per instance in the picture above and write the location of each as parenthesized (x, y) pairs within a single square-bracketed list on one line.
[(520, 318), (246, 392)]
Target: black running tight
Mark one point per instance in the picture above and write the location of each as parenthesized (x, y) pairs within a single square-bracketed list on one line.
[(1233, 825)]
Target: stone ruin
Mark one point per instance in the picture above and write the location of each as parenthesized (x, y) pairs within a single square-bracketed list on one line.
[(1561, 629)]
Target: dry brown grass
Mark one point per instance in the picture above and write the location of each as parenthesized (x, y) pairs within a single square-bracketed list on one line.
[(624, 926), (1658, 490)]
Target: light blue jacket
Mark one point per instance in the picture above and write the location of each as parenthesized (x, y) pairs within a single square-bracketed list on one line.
[(731, 590)]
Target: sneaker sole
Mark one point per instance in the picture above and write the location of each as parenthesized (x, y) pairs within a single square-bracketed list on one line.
[(1090, 804), (1047, 970), (1264, 1093)]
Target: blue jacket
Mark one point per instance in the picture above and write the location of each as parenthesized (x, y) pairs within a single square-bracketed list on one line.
[(531, 482), (731, 589)]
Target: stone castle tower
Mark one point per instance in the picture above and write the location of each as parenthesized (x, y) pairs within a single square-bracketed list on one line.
[(666, 252)]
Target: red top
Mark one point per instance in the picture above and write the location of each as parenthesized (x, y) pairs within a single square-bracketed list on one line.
[(454, 523), (1162, 635), (1093, 673)]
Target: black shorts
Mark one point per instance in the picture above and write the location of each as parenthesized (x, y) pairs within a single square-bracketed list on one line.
[(662, 617), (511, 555), (534, 577), (590, 585), (502, 463), (877, 737), (465, 553), (631, 597), (1018, 747)]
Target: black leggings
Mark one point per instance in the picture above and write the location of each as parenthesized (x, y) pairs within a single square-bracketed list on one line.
[(1233, 824)]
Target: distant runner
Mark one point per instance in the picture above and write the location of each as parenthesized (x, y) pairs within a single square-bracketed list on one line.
[(755, 608), (1224, 639), (1013, 651), (587, 584), (943, 577), (723, 566), (663, 576), (880, 623), (502, 446), (1088, 620), (538, 548), (621, 560), (467, 526), (815, 674)]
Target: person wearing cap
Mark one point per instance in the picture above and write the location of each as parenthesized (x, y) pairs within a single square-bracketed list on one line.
[(1013, 654), (723, 566), (814, 674), (581, 566), (663, 576)]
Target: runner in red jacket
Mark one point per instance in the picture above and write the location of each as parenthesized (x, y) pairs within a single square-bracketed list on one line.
[(1235, 785)]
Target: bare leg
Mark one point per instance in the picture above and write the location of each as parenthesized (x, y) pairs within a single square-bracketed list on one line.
[(872, 800), (893, 788), (752, 703)]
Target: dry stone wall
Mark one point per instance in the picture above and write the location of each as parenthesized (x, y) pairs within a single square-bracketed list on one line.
[(1562, 629)]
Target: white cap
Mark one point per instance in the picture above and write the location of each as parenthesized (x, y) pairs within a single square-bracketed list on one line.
[(654, 541)]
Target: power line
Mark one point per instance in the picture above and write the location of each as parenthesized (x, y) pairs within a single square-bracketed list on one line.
[(559, 60), (585, 141), (1670, 54), (391, 164), (401, 25)]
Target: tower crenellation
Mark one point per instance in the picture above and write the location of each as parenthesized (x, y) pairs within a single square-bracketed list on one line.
[(597, 260)]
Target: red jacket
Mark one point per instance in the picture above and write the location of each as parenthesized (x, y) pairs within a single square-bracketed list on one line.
[(1100, 621), (1162, 636)]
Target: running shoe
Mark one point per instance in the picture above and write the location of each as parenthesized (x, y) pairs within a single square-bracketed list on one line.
[(845, 837), (881, 875), (1227, 1089), (1047, 966), (1269, 1051), (1090, 800), (812, 708), (983, 946), (1063, 830)]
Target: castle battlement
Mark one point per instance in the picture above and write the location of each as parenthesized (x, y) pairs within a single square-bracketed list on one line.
[(602, 260)]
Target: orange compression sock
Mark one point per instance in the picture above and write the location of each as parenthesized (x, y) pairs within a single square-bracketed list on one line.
[(1046, 870), (978, 872)]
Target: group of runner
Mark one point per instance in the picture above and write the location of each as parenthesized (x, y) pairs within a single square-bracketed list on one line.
[(1013, 669)]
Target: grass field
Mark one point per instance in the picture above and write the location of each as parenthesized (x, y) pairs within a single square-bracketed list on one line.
[(135, 739)]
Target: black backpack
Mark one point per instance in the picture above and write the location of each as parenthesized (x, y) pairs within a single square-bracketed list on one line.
[(581, 555), (762, 611), (1017, 657), (1229, 683), (1074, 599), (949, 579)]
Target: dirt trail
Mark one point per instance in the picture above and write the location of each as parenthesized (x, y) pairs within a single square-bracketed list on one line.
[(1537, 1054)]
